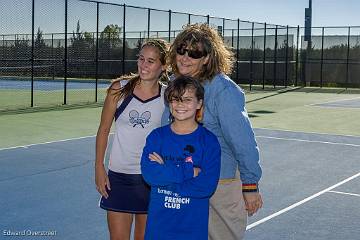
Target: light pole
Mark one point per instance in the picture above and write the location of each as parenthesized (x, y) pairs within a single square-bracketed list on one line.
[(308, 13), (307, 38)]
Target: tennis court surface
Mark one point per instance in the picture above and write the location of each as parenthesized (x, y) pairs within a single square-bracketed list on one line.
[(347, 103), (310, 186), (48, 84)]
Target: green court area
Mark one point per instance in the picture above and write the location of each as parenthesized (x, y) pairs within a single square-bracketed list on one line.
[(284, 109), (20, 99), (294, 110)]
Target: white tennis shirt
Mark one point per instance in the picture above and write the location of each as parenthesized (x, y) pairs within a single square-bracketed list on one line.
[(131, 129)]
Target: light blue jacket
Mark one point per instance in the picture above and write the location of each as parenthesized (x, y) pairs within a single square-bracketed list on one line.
[(225, 116)]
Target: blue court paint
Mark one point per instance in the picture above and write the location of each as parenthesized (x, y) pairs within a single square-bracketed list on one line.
[(347, 103), (50, 85)]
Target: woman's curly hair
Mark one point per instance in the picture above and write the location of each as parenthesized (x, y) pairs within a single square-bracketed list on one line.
[(221, 59)]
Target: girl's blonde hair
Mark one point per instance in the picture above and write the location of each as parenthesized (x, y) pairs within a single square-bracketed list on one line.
[(133, 79), (221, 60)]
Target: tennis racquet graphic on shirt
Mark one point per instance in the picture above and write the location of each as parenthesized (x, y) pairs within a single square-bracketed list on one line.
[(141, 120)]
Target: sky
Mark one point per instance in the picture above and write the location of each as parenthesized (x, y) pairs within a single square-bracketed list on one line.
[(15, 15), (282, 12)]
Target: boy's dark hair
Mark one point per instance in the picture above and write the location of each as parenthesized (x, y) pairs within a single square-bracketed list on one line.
[(178, 86)]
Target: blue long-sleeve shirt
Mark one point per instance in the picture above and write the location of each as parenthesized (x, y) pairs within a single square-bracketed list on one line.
[(225, 115), (179, 205)]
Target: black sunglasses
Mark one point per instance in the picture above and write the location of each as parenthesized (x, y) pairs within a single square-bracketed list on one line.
[(195, 54)]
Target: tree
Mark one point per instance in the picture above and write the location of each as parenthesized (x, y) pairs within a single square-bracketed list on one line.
[(82, 44), (39, 40), (110, 36), (21, 48), (110, 48), (77, 36), (82, 50)]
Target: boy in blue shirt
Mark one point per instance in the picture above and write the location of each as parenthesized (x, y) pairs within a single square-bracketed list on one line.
[(181, 163)]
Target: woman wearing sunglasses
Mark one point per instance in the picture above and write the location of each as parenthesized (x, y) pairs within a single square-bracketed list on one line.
[(198, 51)]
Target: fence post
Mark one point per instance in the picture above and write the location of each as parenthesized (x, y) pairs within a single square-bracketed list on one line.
[(232, 37), (297, 56), (169, 26), (148, 23), (307, 58), (286, 56), (65, 50), (237, 50), (52, 56), (32, 51), (208, 19), (322, 57), (3, 44), (264, 59), (347, 58), (251, 55), (303, 54), (223, 29), (97, 52), (275, 55), (124, 40)]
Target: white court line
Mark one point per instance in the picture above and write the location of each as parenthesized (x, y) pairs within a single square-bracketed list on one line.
[(250, 226), (35, 144), (335, 106), (345, 193), (310, 141), (55, 141), (328, 134), (70, 139), (332, 101)]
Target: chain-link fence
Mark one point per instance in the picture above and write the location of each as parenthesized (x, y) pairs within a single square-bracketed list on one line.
[(66, 51), (332, 57)]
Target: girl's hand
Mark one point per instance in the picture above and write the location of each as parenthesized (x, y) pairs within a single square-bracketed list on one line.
[(196, 171), (156, 158), (102, 180)]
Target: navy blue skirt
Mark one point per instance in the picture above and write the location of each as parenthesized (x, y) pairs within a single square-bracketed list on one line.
[(129, 193)]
